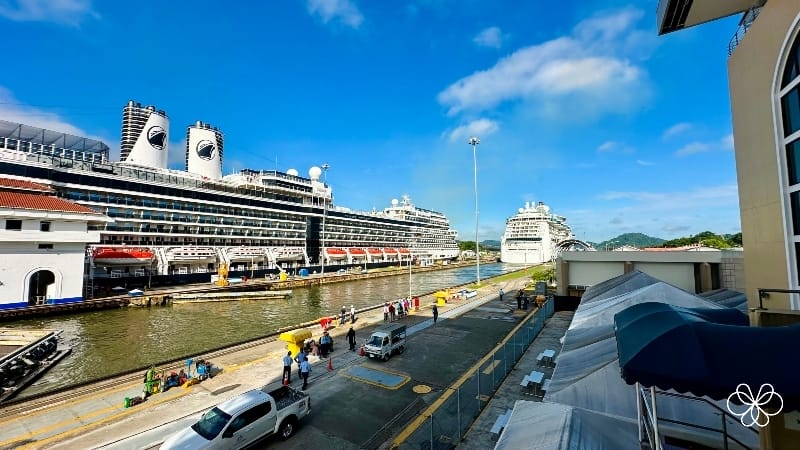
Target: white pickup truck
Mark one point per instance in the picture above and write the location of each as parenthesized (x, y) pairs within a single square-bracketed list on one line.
[(244, 420)]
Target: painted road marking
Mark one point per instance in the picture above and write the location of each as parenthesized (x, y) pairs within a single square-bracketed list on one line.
[(380, 378), (490, 368)]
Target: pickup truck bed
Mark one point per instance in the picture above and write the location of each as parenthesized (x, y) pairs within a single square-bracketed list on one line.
[(285, 396)]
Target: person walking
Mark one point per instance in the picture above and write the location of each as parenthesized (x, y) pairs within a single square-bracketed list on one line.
[(519, 300), (301, 356), (351, 339), (435, 313), (325, 344), (352, 314), (385, 312), (305, 370), (400, 309), (287, 367), (501, 294), (342, 314), (391, 311)]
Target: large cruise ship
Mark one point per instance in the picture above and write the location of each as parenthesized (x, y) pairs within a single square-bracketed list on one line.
[(532, 235), (173, 227)]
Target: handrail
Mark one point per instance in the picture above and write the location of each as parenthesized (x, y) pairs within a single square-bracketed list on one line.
[(648, 424), (747, 19), (703, 399), (764, 293), (724, 414)]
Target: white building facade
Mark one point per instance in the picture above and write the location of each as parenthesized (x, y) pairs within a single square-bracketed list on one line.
[(42, 245)]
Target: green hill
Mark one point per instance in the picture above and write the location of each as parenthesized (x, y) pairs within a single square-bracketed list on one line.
[(633, 239)]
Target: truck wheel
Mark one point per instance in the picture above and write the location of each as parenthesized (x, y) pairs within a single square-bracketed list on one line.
[(386, 357), (401, 350), (287, 428)]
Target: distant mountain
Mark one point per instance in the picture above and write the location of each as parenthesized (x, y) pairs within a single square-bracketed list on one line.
[(633, 239), (490, 244)]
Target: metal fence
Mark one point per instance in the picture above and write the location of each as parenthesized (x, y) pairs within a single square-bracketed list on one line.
[(446, 421)]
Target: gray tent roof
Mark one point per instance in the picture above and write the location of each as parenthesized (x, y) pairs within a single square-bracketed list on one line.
[(588, 374), (550, 426)]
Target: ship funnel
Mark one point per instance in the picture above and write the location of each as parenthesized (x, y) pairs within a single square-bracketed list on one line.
[(204, 151), (145, 136)]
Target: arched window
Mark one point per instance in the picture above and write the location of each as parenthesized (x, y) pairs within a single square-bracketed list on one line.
[(789, 95)]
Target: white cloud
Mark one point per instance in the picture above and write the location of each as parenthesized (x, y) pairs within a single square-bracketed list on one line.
[(719, 195), (677, 129), (694, 147), (587, 68), (614, 147), (642, 162), (727, 142), (13, 110), (676, 213), (344, 11), (489, 37), (66, 12), (480, 128)]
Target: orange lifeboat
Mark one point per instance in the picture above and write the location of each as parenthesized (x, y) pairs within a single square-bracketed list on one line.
[(390, 250), (404, 251), (375, 251), (336, 252), (357, 251), (122, 256)]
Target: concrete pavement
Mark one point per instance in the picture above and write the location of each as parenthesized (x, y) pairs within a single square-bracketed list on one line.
[(346, 413)]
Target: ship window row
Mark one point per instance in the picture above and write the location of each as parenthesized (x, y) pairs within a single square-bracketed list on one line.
[(117, 239), (207, 220), (167, 229), (117, 199), (144, 184)]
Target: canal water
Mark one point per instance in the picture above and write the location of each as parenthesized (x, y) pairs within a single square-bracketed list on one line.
[(113, 341)]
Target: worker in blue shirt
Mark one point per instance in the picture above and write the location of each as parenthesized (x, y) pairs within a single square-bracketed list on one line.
[(287, 367)]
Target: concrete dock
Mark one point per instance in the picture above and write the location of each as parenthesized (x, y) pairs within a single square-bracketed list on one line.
[(349, 411)]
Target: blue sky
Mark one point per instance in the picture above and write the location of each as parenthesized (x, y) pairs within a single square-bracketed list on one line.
[(579, 105)]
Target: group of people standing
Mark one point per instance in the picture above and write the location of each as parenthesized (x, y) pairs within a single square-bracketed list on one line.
[(396, 309)]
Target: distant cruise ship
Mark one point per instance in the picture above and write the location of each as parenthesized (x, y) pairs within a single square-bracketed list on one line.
[(180, 226), (532, 235)]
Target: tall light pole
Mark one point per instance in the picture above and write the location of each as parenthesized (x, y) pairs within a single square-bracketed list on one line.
[(473, 141), (325, 168), (410, 258)]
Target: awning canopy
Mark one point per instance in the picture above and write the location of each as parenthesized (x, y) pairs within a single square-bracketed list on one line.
[(706, 352)]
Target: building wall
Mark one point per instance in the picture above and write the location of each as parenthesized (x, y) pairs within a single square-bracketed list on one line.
[(731, 270), (589, 273), (21, 259), (677, 274), (752, 73)]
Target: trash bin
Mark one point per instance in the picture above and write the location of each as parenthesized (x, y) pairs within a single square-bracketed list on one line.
[(294, 340), (416, 303)]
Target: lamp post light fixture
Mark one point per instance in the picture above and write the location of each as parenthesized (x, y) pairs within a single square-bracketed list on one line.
[(325, 168), (474, 141)]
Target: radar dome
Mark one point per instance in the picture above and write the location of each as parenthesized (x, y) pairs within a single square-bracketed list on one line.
[(394, 202), (314, 173), (292, 172), (521, 210)]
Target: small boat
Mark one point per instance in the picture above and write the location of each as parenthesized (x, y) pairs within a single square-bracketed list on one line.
[(135, 293), (205, 297), (24, 356)]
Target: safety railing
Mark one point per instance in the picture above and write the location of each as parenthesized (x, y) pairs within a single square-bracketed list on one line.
[(445, 422), (747, 19)]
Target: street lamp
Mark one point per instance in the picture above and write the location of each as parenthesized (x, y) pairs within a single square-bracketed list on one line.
[(473, 141), (325, 168), (410, 258)]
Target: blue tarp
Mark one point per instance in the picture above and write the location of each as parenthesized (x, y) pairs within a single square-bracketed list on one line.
[(706, 352)]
